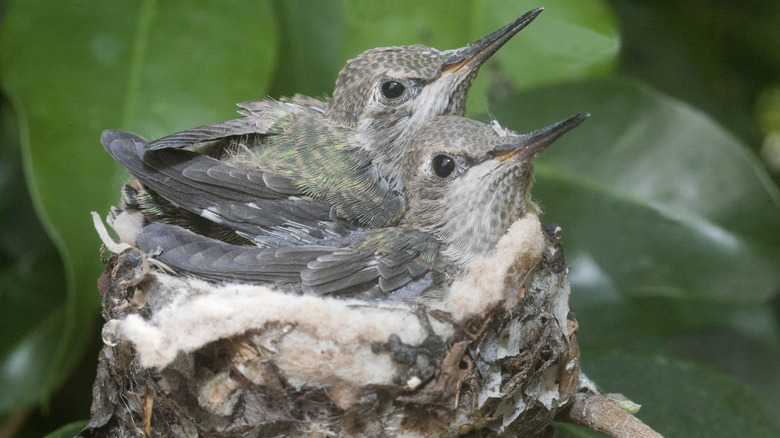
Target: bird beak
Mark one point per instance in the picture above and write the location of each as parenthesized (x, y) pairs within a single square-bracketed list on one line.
[(530, 145), (472, 56)]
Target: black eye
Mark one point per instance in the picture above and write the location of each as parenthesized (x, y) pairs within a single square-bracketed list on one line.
[(392, 89), (443, 165)]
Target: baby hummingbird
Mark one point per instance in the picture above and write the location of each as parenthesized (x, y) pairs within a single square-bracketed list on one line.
[(344, 153), (466, 182)]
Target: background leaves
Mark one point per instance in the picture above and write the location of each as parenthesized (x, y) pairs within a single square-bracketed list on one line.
[(86, 67), (670, 223), (659, 180)]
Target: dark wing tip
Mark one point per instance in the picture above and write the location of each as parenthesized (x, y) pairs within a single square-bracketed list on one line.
[(110, 136)]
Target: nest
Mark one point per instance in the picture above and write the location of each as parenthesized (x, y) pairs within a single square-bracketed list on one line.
[(497, 356)]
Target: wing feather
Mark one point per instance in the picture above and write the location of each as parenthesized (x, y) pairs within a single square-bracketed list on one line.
[(237, 198), (318, 269)]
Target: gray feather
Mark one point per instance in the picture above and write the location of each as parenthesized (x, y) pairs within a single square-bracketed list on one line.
[(233, 197), (319, 269)]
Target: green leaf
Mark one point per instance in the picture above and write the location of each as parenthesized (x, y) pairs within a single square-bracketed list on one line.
[(715, 58), (654, 197), (684, 399), (32, 302), (152, 67), (310, 35), (32, 282), (571, 39), (752, 359), (564, 430), (386, 23), (69, 430), (740, 339), (22, 370)]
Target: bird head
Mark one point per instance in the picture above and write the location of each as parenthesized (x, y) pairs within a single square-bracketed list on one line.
[(467, 182), (385, 94)]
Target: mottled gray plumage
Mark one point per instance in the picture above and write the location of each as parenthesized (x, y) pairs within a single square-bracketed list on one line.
[(487, 187), (344, 153), (466, 182)]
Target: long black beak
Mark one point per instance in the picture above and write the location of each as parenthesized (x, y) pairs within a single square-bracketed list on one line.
[(530, 145), (472, 56)]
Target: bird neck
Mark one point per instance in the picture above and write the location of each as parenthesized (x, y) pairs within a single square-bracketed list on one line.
[(386, 138)]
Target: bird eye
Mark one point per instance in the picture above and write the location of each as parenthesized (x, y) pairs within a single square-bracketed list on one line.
[(443, 165), (392, 89)]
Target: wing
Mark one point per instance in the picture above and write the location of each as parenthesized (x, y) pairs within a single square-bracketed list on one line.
[(396, 260), (247, 201), (330, 166), (370, 267), (311, 104), (318, 156), (262, 117), (213, 259)]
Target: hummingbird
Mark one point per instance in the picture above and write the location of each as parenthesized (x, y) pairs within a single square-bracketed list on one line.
[(466, 183), (344, 152)]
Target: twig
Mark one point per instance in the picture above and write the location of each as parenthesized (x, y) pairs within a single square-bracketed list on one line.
[(603, 413)]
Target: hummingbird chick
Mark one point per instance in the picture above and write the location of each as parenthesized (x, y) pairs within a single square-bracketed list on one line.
[(344, 152), (466, 182)]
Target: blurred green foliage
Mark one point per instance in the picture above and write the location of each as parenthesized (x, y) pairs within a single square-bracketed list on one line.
[(671, 223)]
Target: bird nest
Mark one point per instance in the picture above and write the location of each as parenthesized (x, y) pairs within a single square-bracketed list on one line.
[(496, 357)]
